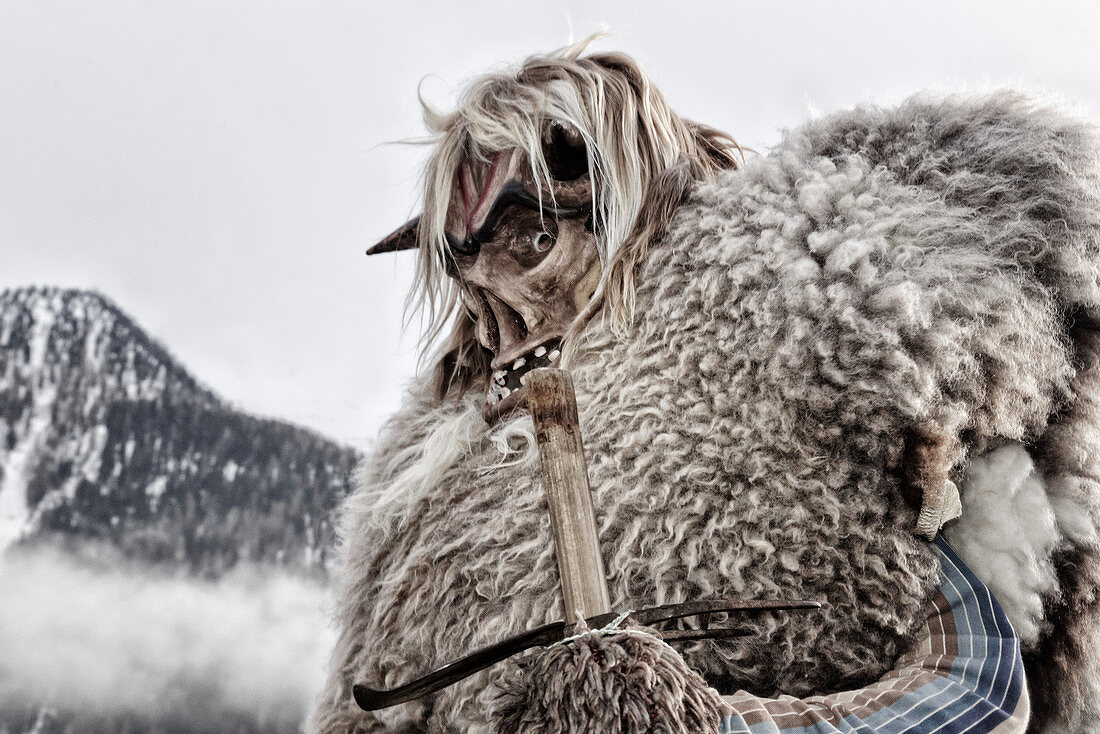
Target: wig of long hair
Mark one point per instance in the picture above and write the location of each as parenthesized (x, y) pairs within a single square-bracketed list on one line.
[(643, 159)]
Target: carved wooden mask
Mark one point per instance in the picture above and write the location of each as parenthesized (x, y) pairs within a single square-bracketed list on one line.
[(527, 267)]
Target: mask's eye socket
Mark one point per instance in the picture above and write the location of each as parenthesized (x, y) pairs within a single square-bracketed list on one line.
[(564, 150)]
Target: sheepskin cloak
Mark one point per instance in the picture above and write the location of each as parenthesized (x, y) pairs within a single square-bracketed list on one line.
[(934, 267)]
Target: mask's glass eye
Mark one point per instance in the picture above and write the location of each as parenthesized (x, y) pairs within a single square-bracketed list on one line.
[(564, 150)]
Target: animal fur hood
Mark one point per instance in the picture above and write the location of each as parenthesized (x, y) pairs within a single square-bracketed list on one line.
[(931, 268)]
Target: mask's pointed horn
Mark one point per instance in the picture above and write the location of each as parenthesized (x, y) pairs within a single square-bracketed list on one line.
[(402, 238)]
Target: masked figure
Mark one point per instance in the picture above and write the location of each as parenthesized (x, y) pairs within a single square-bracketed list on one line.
[(787, 367)]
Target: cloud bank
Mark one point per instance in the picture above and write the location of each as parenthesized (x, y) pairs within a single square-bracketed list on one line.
[(108, 643)]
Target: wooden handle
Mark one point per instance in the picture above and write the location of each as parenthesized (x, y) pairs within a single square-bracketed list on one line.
[(553, 407)]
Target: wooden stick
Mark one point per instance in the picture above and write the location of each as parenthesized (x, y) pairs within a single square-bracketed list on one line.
[(553, 407)]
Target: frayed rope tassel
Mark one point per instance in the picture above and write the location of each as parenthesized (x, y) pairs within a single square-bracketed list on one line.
[(608, 680)]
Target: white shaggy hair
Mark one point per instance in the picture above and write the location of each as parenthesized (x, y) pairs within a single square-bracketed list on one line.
[(642, 156)]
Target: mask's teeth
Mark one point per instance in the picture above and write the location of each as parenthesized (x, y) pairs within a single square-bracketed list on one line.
[(504, 382)]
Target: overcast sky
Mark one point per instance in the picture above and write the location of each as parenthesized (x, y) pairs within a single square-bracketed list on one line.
[(217, 168)]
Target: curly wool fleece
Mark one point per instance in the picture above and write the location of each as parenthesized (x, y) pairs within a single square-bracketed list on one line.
[(880, 270)]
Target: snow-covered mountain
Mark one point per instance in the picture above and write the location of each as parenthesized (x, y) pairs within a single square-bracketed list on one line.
[(127, 492), (104, 436)]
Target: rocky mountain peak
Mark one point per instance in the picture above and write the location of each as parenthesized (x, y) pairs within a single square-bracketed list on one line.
[(105, 436)]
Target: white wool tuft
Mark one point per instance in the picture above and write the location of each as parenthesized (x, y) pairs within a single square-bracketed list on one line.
[(389, 499), (414, 471), (1007, 533), (1074, 521)]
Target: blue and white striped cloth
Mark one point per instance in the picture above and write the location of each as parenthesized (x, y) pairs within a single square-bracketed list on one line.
[(965, 676)]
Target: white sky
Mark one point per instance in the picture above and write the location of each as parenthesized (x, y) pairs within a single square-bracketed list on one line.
[(218, 167)]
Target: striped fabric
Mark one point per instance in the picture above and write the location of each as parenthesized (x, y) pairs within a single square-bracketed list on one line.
[(966, 675)]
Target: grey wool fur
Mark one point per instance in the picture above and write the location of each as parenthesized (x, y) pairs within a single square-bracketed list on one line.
[(622, 682), (933, 268)]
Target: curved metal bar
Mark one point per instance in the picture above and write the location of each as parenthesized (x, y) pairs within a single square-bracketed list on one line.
[(721, 633), (667, 612), (372, 699)]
